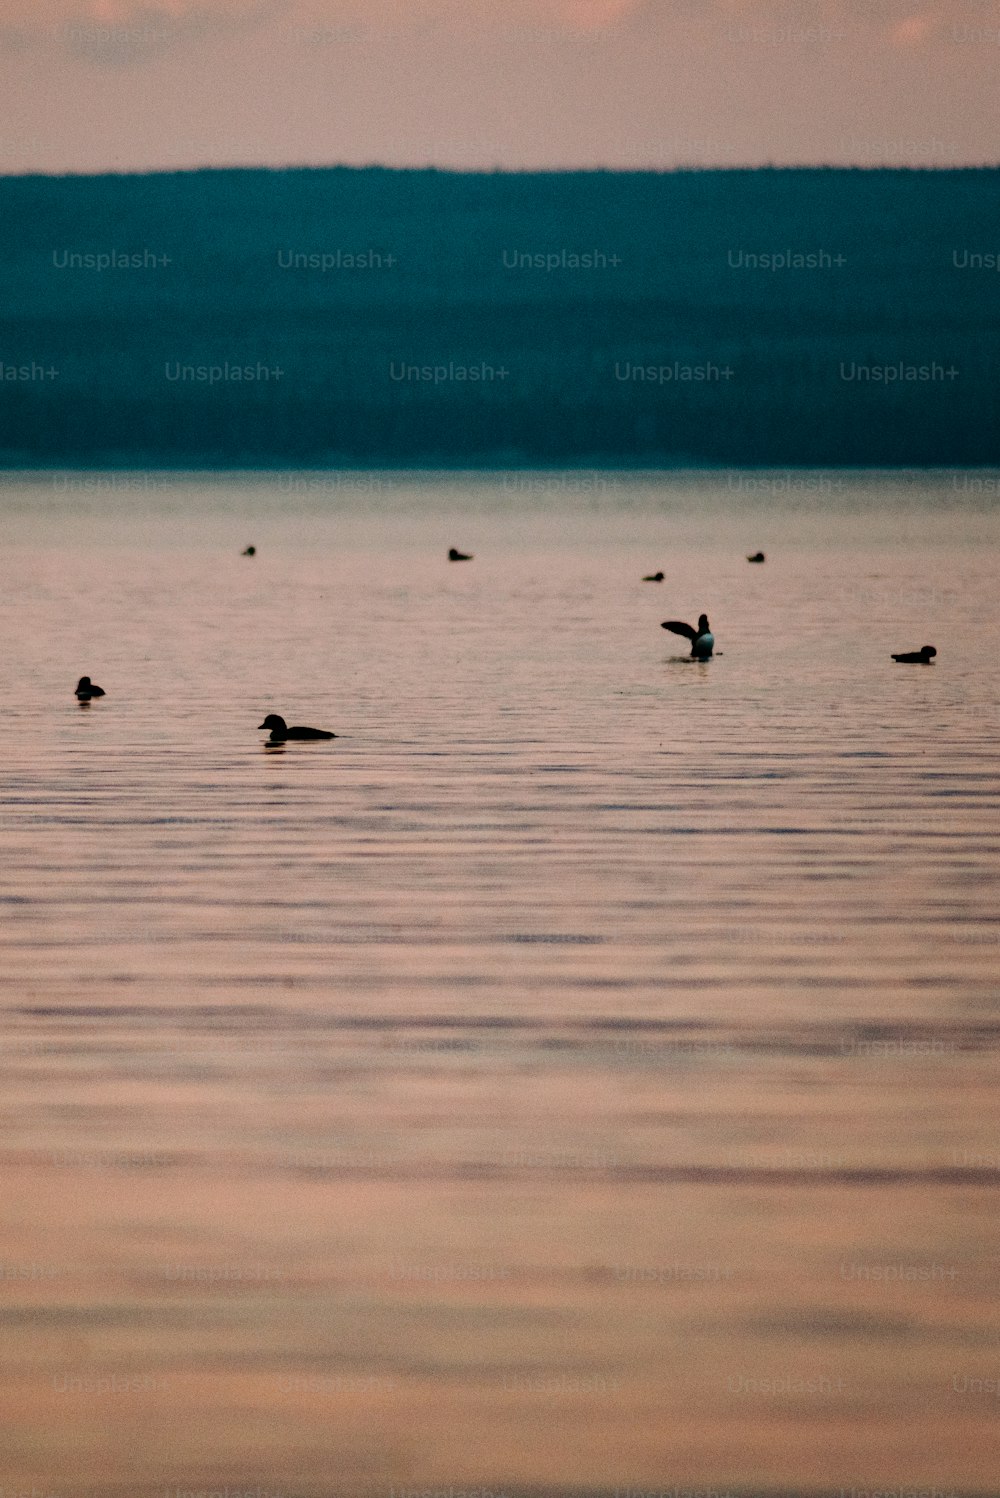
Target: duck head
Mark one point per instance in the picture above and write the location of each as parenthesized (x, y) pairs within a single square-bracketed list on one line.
[(276, 724)]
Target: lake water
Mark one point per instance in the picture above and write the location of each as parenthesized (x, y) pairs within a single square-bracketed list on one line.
[(580, 1076)]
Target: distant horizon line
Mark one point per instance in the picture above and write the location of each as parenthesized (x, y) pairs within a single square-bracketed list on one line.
[(505, 171), (687, 465)]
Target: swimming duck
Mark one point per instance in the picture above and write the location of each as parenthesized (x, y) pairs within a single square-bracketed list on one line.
[(280, 730), (654, 577), (921, 657), (758, 556), (702, 638), (85, 689), (251, 551), (459, 556)]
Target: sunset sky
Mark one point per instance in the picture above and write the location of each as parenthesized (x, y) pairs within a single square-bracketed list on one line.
[(122, 85)]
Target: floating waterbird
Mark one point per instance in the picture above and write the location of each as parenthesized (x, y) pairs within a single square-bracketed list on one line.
[(85, 689), (251, 551), (921, 657), (458, 556), (280, 730), (654, 577), (702, 638), (758, 556)]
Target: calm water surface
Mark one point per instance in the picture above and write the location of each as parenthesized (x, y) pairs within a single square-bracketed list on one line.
[(581, 1075)]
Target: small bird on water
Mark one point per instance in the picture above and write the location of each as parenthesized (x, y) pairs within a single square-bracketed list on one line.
[(280, 730), (702, 638), (921, 657), (654, 577), (251, 551), (85, 689), (758, 556), (459, 556)]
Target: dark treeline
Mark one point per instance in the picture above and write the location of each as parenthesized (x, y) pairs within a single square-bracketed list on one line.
[(358, 317)]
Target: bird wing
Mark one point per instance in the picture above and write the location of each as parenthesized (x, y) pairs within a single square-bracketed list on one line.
[(680, 629)]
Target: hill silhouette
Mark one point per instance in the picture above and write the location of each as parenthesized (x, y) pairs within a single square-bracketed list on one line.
[(404, 318)]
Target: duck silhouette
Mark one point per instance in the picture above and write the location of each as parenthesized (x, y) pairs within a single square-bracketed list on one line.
[(702, 638), (921, 657), (758, 556), (654, 577), (85, 689), (280, 730), (459, 556)]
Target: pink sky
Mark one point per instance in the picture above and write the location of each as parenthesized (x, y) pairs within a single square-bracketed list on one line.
[(95, 85)]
